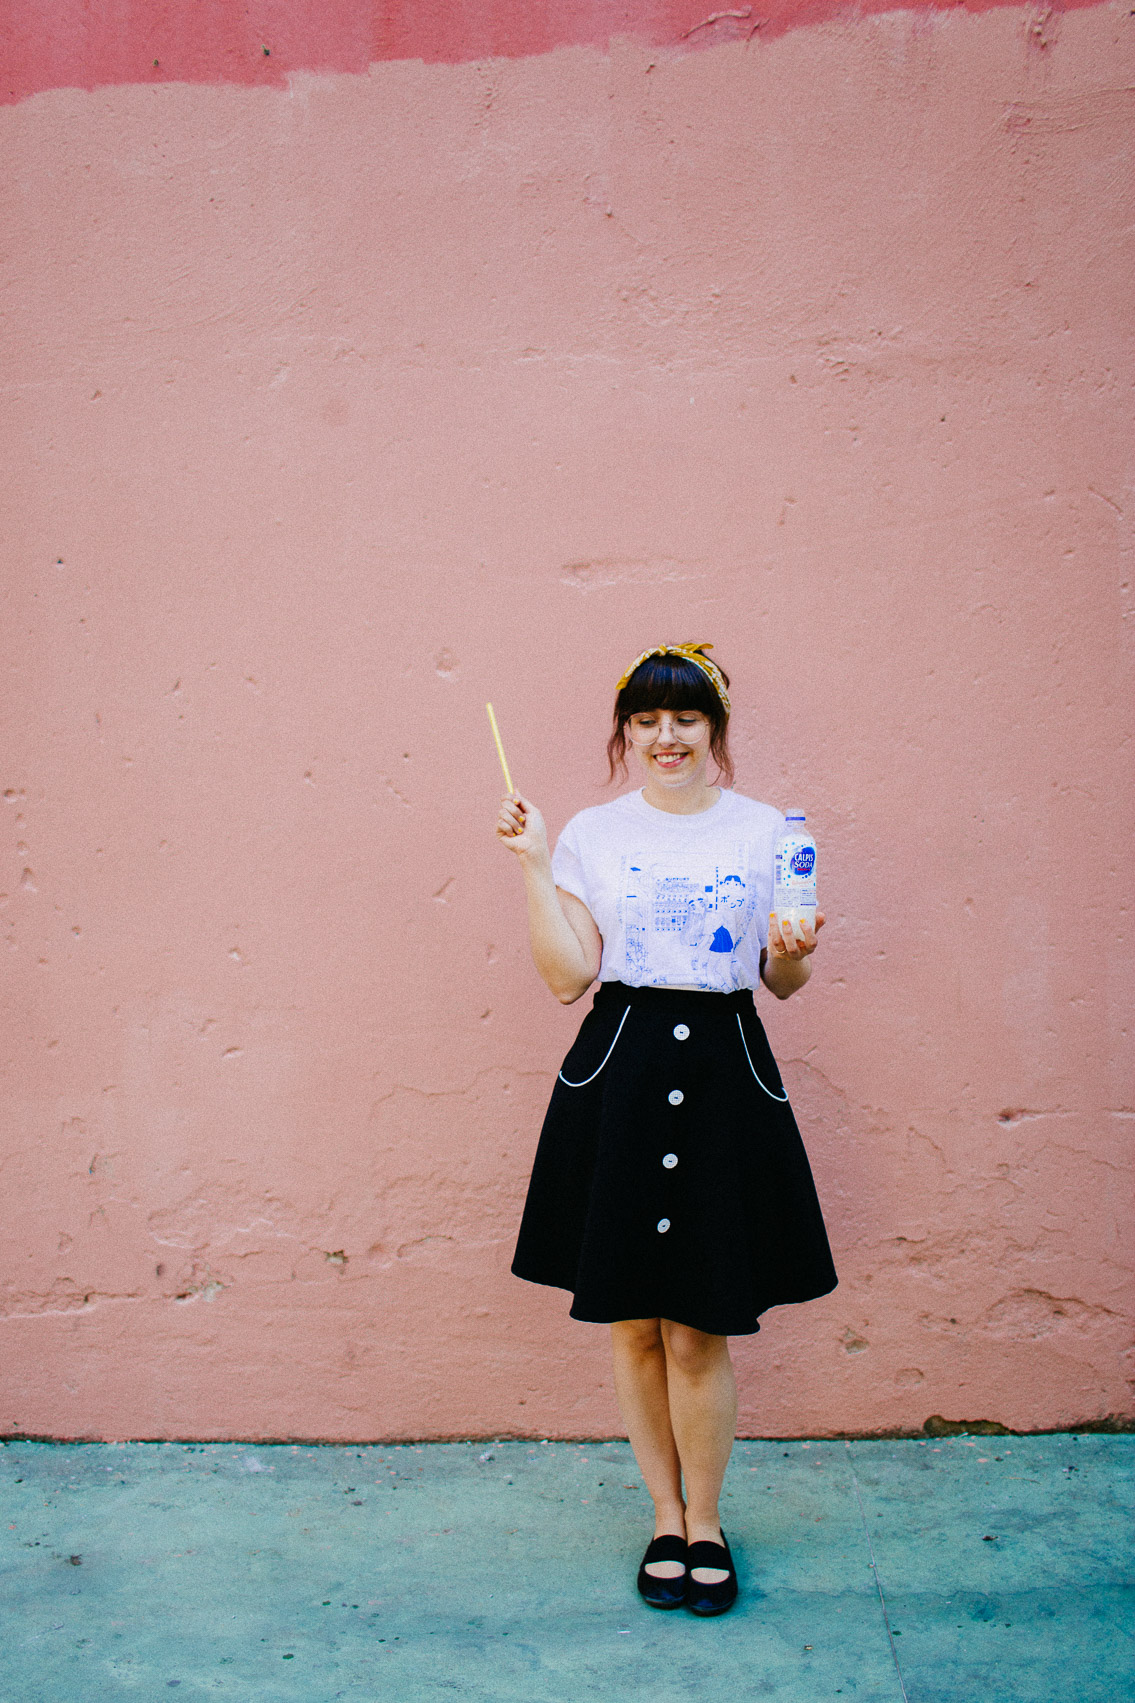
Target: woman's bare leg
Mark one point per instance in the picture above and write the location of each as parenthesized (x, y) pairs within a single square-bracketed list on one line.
[(702, 1394), (641, 1388)]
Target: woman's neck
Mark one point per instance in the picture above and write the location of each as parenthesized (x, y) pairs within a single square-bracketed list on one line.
[(681, 801)]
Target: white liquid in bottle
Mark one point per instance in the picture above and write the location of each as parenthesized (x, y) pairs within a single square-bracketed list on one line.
[(794, 875)]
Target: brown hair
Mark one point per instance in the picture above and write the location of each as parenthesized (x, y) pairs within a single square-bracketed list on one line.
[(671, 683)]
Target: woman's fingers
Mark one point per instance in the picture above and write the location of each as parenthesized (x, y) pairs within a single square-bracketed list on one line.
[(810, 932), (512, 819), (777, 944), (785, 942), (520, 827)]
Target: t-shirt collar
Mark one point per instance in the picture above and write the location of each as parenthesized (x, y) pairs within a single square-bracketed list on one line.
[(639, 804)]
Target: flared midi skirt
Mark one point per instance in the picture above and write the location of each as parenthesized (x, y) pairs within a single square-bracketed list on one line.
[(670, 1179)]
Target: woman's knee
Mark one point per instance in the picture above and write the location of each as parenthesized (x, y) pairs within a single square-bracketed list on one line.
[(694, 1352), (637, 1336)]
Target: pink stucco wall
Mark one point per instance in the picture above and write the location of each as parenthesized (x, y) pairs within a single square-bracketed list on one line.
[(337, 407)]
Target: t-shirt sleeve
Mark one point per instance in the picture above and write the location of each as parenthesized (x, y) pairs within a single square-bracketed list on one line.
[(567, 864), (768, 858)]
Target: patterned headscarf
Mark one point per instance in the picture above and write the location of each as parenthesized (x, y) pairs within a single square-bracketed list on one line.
[(692, 653)]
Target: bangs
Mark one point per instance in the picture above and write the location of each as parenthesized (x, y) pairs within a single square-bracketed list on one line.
[(669, 683)]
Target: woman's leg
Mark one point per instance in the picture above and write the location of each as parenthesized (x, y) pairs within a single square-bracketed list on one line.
[(641, 1389), (702, 1392)]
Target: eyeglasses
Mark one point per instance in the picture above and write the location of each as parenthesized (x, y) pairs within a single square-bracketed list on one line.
[(685, 727)]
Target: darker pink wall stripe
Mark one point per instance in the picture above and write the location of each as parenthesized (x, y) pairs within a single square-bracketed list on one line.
[(88, 44)]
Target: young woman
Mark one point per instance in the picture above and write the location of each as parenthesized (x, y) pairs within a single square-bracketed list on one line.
[(671, 1192)]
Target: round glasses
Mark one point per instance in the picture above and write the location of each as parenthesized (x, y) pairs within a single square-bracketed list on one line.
[(684, 727)]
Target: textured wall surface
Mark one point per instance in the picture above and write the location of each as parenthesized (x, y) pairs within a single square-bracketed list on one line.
[(337, 407)]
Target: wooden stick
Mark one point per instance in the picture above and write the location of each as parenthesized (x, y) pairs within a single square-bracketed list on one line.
[(500, 748)]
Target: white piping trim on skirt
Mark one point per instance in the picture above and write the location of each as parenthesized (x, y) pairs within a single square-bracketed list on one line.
[(781, 1097), (610, 1050)]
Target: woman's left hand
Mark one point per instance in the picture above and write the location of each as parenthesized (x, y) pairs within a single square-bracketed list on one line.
[(786, 964), (785, 943)]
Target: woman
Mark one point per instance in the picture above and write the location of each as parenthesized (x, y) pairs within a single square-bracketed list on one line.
[(671, 1192)]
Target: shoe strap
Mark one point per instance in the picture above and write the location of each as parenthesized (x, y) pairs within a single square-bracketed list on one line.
[(669, 1547), (706, 1554)]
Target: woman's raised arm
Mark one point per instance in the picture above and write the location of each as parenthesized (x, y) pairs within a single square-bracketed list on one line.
[(566, 944)]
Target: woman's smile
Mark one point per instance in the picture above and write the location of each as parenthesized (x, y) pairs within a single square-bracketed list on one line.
[(670, 759)]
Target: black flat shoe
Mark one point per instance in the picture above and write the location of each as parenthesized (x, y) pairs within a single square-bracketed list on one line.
[(664, 1593), (710, 1599)]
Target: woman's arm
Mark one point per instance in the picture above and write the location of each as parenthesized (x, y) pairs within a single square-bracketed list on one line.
[(566, 945), (787, 963)]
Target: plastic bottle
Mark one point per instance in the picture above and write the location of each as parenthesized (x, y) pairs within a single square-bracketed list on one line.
[(794, 875)]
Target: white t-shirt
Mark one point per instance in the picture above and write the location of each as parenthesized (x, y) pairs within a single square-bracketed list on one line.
[(680, 901)]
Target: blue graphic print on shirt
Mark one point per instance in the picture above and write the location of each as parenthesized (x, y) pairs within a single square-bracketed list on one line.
[(693, 917)]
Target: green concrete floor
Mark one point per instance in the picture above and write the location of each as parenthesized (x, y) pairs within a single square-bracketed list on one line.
[(968, 1570)]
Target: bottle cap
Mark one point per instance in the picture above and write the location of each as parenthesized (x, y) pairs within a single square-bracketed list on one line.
[(795, 816)]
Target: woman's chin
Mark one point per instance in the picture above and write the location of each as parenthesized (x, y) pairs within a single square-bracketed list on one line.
[(682, 774)]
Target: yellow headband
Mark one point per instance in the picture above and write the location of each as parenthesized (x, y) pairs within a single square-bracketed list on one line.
[(692, 653)]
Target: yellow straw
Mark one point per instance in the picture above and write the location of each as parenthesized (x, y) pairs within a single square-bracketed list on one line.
[(500, 749)]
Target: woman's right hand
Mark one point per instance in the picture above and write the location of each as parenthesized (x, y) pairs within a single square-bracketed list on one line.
[(567, 948), (520, 826)]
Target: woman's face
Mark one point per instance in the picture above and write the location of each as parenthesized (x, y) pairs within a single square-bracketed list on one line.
[(671, 745)]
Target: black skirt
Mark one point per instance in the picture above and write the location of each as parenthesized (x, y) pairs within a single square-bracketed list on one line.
[(670, 1180)]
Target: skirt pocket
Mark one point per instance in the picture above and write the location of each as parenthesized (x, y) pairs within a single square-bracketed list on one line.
[(581, 1056), (774, 1075)]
